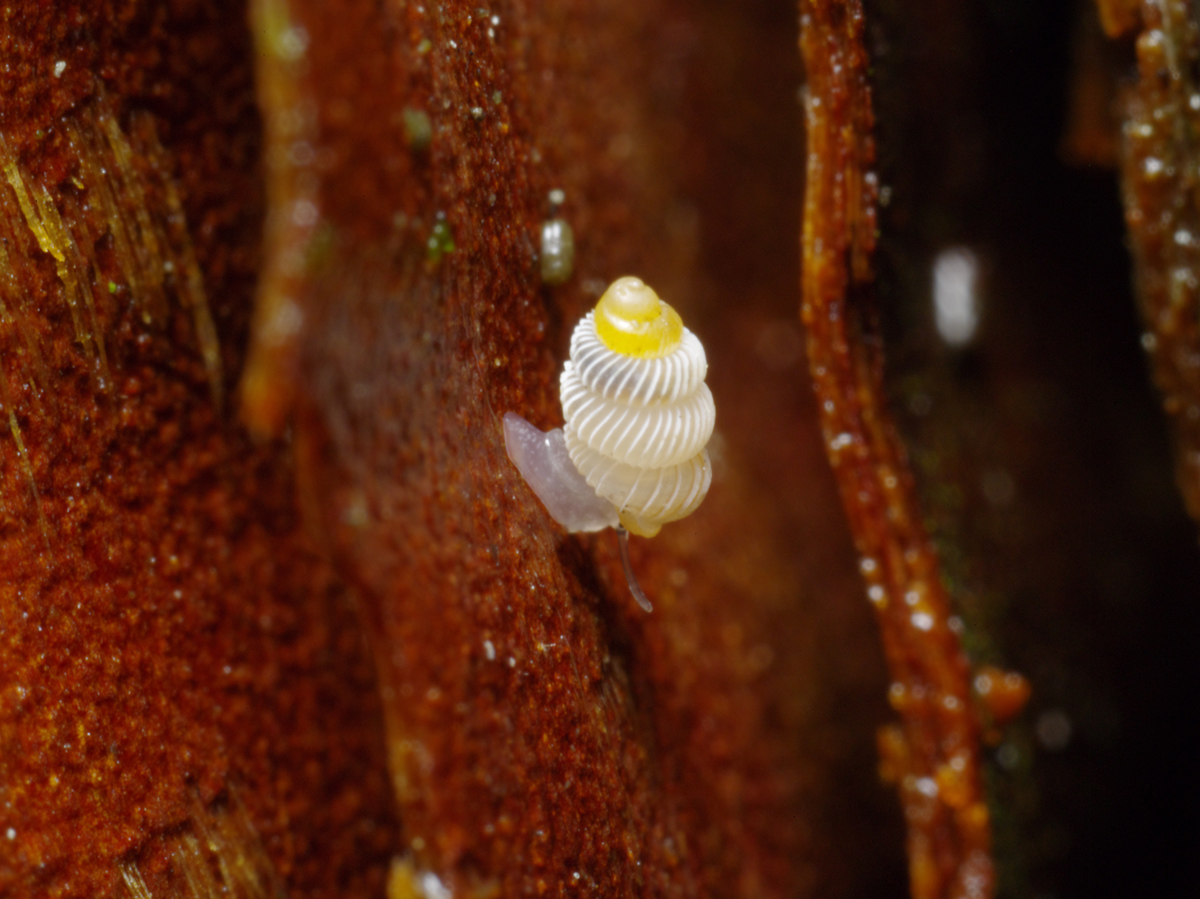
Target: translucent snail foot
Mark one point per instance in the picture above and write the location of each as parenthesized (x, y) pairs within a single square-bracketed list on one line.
[(542, 459)]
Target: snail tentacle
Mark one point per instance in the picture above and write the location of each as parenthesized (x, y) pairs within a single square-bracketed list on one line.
[(630, 577)]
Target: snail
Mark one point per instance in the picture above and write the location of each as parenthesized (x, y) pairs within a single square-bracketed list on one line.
[(631, 454)]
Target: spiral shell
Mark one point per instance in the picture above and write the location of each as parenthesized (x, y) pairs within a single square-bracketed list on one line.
[(638, 413)]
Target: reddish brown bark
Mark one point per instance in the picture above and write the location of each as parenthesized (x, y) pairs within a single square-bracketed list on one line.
[(212, 720), (1118, 17), (175, 656), (1160, 181), (538, 726), (934, 754), (544, 734)]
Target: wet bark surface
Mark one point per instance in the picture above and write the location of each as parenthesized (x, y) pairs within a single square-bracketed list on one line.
[(542, 734), (592, 746), (172, 639), (934, 756), (278, 616)]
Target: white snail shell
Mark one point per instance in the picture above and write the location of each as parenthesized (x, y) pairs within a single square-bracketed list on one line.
[(638, 416)]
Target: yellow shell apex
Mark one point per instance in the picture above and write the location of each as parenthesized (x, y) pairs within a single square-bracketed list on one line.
[(633, 321)]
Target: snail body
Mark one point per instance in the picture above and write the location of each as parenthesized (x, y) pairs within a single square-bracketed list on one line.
[(637, 418)]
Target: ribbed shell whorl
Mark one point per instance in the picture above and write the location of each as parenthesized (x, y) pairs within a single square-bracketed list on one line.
[(636, 427)]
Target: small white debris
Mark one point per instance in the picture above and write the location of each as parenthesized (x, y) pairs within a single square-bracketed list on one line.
[(927, 786), (433, 887), (956, 295)]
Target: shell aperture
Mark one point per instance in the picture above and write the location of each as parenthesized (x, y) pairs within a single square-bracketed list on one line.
[(638, 416)]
